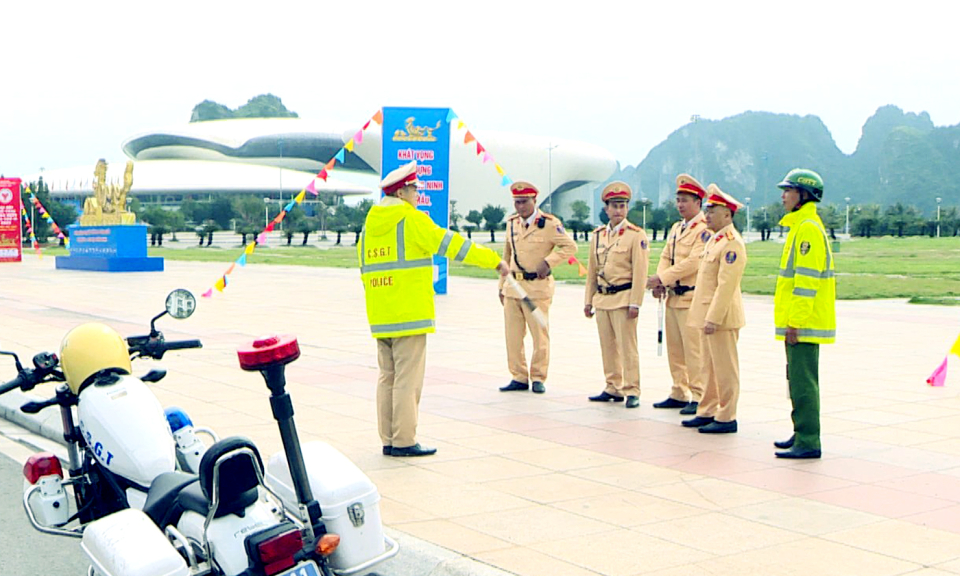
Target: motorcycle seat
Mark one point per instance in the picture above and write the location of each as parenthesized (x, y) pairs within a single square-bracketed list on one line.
[(238, 484), (163, 493)]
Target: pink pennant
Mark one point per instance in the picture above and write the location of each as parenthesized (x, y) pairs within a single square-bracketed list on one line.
[(939, 375), (487, 157), (262, 238), (311, 188), (358, 137), (207, 294)]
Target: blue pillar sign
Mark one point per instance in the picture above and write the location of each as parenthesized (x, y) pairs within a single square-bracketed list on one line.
[(422, 134)]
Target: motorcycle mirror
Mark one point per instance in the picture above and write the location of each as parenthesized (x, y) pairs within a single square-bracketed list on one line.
[(16, 359), (181, 303)]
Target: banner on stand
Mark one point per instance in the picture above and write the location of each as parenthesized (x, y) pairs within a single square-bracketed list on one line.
[(422, 134), (10, 226)]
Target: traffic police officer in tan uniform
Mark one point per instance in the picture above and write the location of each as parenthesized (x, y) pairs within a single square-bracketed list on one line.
[(616, 279), (536, 243), (717, 310), (675, 278)]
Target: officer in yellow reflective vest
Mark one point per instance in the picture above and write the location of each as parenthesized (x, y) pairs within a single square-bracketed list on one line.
[(804, 307), (396, 265)]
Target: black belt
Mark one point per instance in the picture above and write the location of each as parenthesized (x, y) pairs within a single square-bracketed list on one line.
[(528, 275), (681, 290), (614, 289)]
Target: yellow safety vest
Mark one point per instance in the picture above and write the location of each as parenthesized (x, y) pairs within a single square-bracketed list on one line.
[(396, 265), (806, 286)]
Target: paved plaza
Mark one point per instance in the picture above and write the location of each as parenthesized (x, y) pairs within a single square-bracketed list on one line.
[(554, 485)]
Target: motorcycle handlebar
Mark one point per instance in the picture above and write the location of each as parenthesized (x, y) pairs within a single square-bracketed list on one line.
[(12, 385), (183, 344)]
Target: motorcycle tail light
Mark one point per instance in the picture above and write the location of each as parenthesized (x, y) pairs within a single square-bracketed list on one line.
[(277, 552), (327, 544), (40, 465)]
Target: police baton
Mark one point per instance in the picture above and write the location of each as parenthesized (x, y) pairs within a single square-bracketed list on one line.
[(660, 326), (537, 313)]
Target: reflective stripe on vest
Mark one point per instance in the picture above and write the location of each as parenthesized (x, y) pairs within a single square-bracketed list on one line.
[(789, 271), (401, 326), (401, 262), (463, 250), (809, 333)]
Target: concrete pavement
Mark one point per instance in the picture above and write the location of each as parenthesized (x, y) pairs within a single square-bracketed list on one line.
[(552, 484)]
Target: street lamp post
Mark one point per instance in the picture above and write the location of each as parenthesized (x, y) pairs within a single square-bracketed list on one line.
[(550, 147), (846, 227), (748, 213), (643, 203), (266, 212), (938, 216)]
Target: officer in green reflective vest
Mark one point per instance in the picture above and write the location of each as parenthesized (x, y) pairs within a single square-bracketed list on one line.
[(396, 251), (804, 307)]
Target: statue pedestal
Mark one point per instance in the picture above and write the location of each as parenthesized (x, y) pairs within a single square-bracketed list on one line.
[(109, 249)]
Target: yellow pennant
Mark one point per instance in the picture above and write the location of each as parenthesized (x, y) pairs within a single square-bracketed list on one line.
[(460, 124), (349, 145), (250, 247), (219, 285), (300, 196), (499, 169), (955, 349)]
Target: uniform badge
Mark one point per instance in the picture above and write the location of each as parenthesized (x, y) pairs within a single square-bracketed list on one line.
[(730, 257), (705, 235), (560, 229), (643, 244), (804, 247)]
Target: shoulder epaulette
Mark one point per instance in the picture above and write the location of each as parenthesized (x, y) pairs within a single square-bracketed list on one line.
[(513, 217), (633, 227), (548, 216), (599, 228)]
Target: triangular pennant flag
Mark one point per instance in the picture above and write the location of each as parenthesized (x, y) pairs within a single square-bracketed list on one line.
[(955, 349), (506, 181), (378, 117), (499, 169), (480, 148), (939, 375), (230, 269), (323, 176), (329, 166), (340, 156), (468, 138), (220, 284), (280, 217), (262, 238), (450, 115), (487, 157), (242, 260), (367, 125), (313, 189), (207, 294), (269, 228), (348, 146), (358, 137), (460, 124), (250, 247), (301, 195), (290, 206)]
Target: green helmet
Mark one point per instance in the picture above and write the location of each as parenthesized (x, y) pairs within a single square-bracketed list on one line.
[(806, 180)]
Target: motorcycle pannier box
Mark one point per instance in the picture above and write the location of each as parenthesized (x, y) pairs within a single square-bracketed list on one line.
[(348, 499), (128, 543)]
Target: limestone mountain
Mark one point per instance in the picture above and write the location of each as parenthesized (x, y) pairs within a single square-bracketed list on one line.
[(263, 106)]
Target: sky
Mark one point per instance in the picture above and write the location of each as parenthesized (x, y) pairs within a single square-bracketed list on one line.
[(80, 78)]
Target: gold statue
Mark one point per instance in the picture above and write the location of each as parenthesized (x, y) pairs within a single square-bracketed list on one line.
[(108, 205)]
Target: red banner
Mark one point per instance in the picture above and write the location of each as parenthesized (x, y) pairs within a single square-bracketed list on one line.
[(10, 223)]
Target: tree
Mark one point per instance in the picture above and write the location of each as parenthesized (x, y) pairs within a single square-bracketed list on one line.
[(339, 222), (176, 222), (949, 221), (898, 217), (832, 218), (661, 218), (358, 217), (250, 214), (159, 222), (775, 212), (493, 218), (222, 212), (580, 212), (867, 219), (475, 218), (454, 216)]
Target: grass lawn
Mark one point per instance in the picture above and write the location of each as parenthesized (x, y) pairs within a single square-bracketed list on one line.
[(926, 270)]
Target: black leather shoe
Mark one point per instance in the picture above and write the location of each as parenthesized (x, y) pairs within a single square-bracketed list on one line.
[(796, 453), (415, 450), (539, 388), (514, 386), (387, 450), (633, 401), (696, 422), (785, 444), (690, 408), (670, 403), (604, 397), (716, 427)]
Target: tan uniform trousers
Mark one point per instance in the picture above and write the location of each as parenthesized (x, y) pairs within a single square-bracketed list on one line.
[(683, 353), (402, 363), (618, 347), (721, 375), (517, 319)]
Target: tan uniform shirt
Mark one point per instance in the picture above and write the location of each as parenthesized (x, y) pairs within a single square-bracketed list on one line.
[(616, 260), (681, 258), (717, 298), (533, 244)]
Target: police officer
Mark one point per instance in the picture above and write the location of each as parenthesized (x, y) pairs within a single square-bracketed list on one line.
[(616, 279), (675, 279), (717, 310), (804, 307), (396, 251), (536, 242)]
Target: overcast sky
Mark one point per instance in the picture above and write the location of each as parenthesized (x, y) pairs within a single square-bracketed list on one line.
[(79, 78)]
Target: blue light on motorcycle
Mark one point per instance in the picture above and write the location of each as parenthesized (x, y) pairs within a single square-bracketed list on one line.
[(177, 418)]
